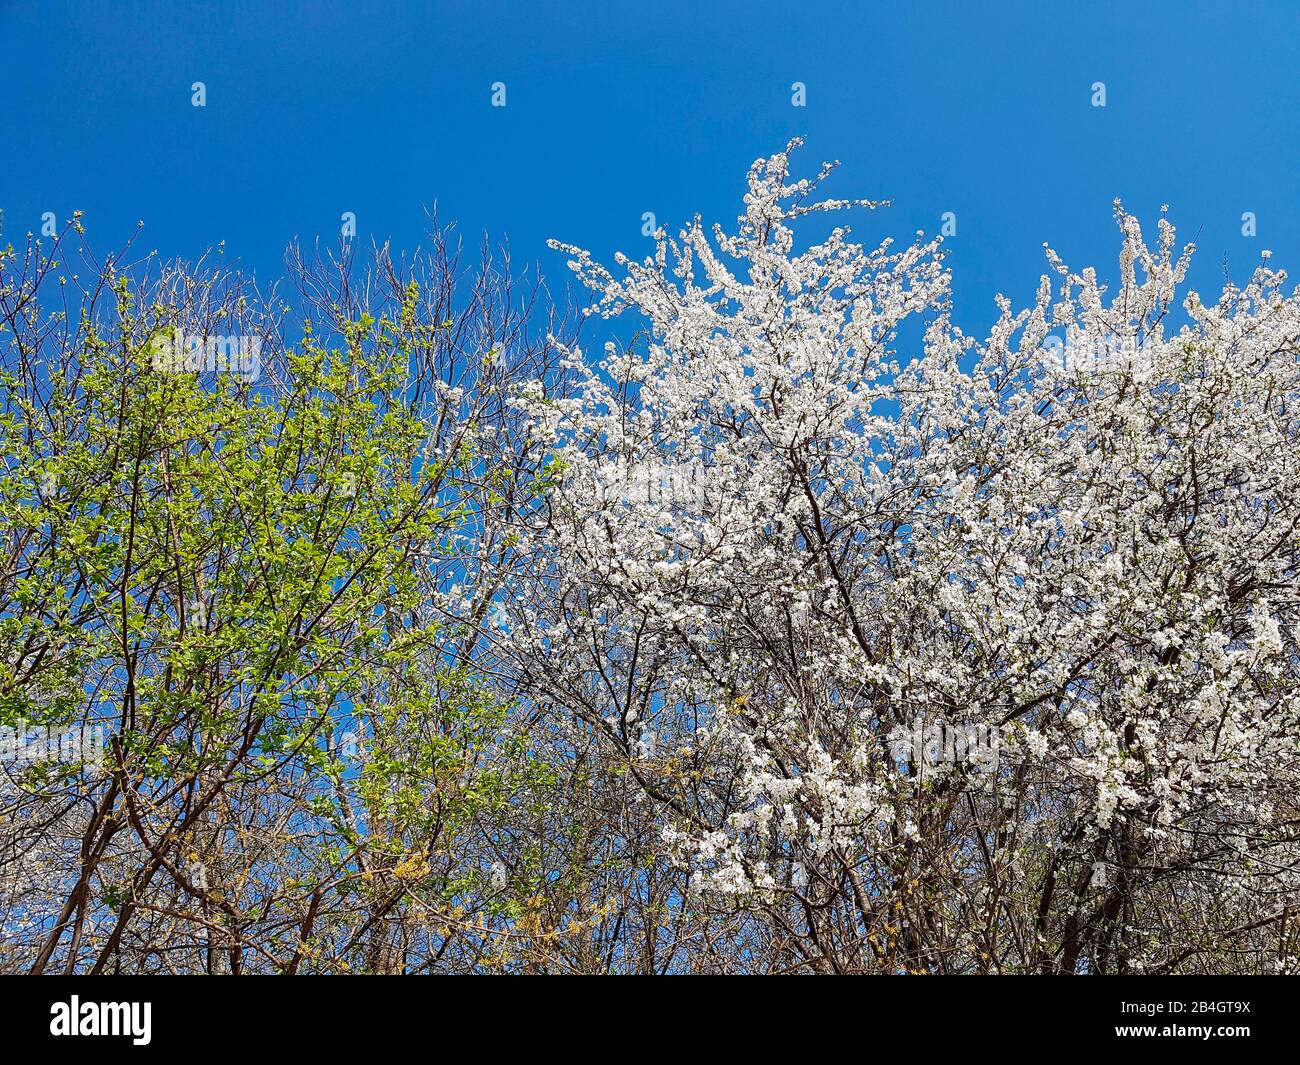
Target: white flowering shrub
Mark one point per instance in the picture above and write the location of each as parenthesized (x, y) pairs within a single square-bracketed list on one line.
[(1094, 563)]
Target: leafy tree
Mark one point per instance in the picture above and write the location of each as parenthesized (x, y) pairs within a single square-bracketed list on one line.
[(252, 585)]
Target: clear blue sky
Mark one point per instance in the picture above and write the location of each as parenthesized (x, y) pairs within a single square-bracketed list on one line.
[(318, 108)]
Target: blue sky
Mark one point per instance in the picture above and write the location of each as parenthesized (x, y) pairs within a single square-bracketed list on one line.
[(616, 109)]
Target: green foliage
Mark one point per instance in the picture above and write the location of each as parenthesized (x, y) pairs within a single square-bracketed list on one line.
[(238, 581)]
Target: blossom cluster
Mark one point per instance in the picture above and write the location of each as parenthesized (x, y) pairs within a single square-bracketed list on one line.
[(1098, 570)]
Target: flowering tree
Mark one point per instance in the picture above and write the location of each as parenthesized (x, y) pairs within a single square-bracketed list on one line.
[(783, 568), (803, 633)]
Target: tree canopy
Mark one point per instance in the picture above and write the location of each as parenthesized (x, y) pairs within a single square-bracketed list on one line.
[(799, 631)]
